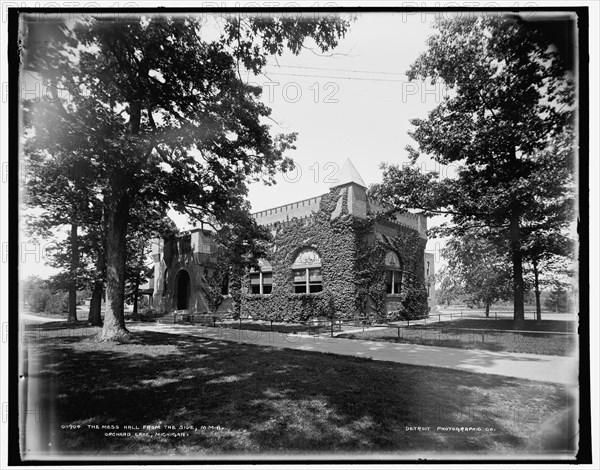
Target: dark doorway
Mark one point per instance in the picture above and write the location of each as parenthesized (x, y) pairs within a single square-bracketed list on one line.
[(182, 290)]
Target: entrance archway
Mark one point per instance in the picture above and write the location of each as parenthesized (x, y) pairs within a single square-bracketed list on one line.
[(182, 290)]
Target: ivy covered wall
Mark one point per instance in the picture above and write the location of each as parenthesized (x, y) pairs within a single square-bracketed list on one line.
[(351, 247), (352, 251)]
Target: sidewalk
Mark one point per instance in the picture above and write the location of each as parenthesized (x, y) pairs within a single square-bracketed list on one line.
[(555, 369)]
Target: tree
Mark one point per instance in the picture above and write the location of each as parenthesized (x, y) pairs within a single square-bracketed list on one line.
[(510, 99), (449, 288), (163, 115), (35, 293), (59, 183), (147, 223), (481, 269), (546, 240), (547, 252)]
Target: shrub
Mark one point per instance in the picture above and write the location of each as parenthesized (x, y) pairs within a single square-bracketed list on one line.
[(38, 298), (57, 304)]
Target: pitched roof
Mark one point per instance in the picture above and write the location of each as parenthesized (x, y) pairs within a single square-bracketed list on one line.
[(348, 174)]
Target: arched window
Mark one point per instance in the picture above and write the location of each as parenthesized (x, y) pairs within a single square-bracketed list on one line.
[(308, 277), (261, 282), (393, 273)]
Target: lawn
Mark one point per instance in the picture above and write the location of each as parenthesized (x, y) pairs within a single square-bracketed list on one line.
[(482, 334), (230, 398)]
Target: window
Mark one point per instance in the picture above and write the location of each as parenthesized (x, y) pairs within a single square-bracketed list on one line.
[(393, 273), (261, 282), (308, 276)]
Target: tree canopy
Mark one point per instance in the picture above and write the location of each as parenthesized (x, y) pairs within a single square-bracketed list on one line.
[(506, 122), (160, 114)]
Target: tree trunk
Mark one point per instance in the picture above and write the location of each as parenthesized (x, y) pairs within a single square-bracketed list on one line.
[(73, 271), (95, 314), (487, 309), (116, 258), (536, 277), (136, 290), (517, 260)]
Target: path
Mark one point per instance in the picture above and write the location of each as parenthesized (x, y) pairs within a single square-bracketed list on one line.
[(555, 369)]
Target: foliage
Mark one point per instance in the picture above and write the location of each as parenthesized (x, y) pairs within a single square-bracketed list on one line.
[(161, 114), (36, 293), (481, 268), (557, 299), (510, 106), (57, 304), (447, 287), (352, 267)]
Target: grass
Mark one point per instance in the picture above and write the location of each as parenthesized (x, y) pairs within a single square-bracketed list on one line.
[(557, 326), (253, 400), (480, 334)]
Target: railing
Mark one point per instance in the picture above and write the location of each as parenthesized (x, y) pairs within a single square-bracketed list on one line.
[(333, 326)]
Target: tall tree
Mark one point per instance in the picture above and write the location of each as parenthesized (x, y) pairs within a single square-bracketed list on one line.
[(510, 98), (58, 184), (165, 115), (448, 287), (147, 223), (480, 266)]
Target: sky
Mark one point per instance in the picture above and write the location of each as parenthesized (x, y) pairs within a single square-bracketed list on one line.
[(354, 102)]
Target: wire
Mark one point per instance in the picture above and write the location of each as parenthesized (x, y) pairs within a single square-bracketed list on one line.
[(337, 70), (340, 78)]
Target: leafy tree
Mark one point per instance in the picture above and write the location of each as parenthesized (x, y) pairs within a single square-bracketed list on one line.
[(447, 286), (481, 269), (545, 225), (36, 293), (510, 99), (162, 115), (147, 223), (548, 253), (557, 299), (59, 183), (241, 243)]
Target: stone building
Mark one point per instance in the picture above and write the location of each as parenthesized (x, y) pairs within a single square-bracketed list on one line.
[(335, 254)]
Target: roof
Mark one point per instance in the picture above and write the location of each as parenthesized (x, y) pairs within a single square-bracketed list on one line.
[(349, 174)]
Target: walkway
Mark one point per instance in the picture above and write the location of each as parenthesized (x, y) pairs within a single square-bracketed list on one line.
[(556, 369)]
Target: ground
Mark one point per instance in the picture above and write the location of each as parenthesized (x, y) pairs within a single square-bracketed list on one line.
[(545, 337), (252, 399)]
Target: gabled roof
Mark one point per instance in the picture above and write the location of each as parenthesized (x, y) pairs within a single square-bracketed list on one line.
[(348, 174)]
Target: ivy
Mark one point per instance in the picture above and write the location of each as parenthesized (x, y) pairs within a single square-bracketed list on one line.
[(352, 267)]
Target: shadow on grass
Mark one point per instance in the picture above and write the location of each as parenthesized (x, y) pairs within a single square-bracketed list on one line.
[(246, 398)]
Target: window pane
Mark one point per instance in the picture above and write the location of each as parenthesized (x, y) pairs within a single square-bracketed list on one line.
[(300, 289), (267, 289), (267, 279), (299, 275), (316, 288), (388, 282), (255, 289), (398, 282), (315, 276), (255, 279)]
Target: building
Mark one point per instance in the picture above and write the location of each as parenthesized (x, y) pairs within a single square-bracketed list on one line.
[(336, 254)]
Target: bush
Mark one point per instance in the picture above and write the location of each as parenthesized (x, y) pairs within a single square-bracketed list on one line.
[(58, 304), (37, 299)]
